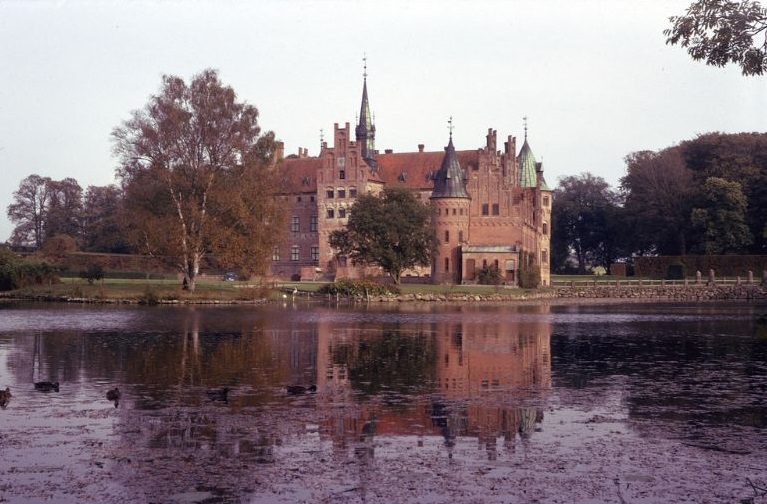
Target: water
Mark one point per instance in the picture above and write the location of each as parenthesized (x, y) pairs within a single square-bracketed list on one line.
[(415, 403)]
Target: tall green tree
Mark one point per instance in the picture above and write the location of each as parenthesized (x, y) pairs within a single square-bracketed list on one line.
[(742, 158), (185, 158), (723, 31), (659, 190), (393, 231), (582, 219), (722, 217)]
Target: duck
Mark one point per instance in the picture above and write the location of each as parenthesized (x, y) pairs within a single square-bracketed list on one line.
[(5, 396), (218, 394), (300, 389), (113, 394), (46, 386)]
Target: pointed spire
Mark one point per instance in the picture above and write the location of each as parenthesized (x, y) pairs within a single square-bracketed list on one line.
[(449, 180), (527, 163), (366, 130)]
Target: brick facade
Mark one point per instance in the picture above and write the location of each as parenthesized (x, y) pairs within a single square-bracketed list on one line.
[(508, 208)]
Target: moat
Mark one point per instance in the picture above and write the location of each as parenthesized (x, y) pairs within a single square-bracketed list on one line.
[(417, 402)]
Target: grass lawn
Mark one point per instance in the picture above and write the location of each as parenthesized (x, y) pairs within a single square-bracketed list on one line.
[(153, 290)]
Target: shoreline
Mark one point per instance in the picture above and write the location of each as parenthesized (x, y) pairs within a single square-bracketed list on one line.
[(555, 295)]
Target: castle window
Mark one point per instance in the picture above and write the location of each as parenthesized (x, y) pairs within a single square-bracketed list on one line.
[(313, 224), (298, 199), (341, 213), (447, 265), (546, 201), (311, 198), (460, 236), (294, 253), (331, 213), (496, 209), (330, 193), (485, 209), (352, 192), (342, 174), (276, 253), (447, 236), (544, 256), (294, 224), (315, 253), (461, 212), (454, 211), (342, 193), (545, 228)]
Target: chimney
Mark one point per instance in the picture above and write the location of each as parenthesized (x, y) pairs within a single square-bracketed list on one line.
[(388, 151), (420, 147)]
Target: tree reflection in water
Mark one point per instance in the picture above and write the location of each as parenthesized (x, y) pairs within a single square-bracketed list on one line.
[(393, 386)]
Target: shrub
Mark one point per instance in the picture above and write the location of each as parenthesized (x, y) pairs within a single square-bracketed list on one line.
[(358, 288), (93, 272), (529, 272), (489, 275), (16, 273)]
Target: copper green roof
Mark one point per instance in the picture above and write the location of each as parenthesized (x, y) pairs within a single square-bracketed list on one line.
[(449, 180), (527, 166)]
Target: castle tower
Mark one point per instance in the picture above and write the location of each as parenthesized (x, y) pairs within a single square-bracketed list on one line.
[(451, 203), (538, 240), (366, 130)]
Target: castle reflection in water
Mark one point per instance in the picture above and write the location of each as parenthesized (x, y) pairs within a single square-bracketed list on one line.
[(458, 373), (481, 378)]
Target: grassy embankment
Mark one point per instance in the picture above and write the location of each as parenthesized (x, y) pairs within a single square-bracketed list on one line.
[(215, 289), (155, 290)]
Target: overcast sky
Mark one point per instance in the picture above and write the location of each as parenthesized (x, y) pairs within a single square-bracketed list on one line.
[(595, 78)]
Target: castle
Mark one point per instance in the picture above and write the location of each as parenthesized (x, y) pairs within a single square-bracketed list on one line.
[(490, 206)]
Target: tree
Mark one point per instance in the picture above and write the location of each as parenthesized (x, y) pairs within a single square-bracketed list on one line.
[(658, 188), (581, 220), (742, 158), (194, 169), (721, 32), (102, 220), (65, 206), (29, 211), (722, 218), (393, 231)]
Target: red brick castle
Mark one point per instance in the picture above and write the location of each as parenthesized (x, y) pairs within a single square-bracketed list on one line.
[(490, 205)]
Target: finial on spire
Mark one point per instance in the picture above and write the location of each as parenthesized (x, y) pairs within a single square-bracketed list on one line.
[(450, 126), (365, 65), (524, 120), (322, 136)]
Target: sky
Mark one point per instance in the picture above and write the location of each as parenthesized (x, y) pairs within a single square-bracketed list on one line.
[(594, 78)]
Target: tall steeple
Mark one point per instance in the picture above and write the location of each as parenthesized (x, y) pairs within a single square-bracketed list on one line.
[(366, 130)]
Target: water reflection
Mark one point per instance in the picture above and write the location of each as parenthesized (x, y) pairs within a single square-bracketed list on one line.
[(389, 381)]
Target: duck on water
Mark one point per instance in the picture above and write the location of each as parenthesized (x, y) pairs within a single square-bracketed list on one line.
[(5, 396), (46, 386)]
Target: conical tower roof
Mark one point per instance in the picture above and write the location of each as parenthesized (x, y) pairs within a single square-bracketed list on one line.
[(449, 181), (527, 166)]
